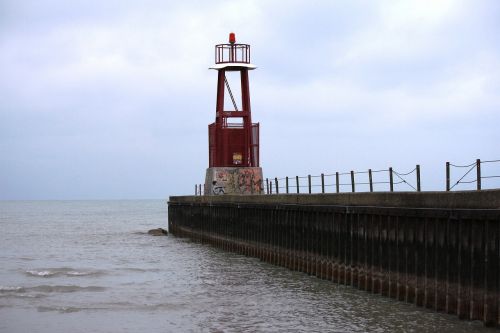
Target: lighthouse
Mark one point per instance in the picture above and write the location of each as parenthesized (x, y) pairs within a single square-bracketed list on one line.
[(233, 140)]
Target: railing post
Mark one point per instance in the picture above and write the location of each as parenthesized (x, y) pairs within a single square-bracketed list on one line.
[(337, 185), (391, 180), (370, 179), (199, 190), (297, 182), (447, 176), (478, 168), (322, 183), (309, 183), (276, 185), (271, 187), (418, 178), (352, 181), (286, 181), (195, 189)]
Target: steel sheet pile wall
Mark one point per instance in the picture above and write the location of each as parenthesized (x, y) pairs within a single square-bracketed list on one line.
[(446, 260)]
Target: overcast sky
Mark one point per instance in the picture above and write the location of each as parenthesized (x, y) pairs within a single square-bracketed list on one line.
[(111, 99)]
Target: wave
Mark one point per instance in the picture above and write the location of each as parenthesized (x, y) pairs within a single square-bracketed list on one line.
[(11, 289), (140, 270), (143, 307), (65, 289), (40, 273), (25, 291), (63, 271), (21, 295), (60, 309)]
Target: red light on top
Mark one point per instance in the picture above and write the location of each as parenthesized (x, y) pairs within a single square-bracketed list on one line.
[(232, 38)]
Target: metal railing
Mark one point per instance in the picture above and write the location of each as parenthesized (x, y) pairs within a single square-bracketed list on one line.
[(322, 183), (384, 179), (232, 53), (198, 189), (467, 180)]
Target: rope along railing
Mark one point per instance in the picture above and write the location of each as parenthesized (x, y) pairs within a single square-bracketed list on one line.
[(469, 168), (382, 178), (323, 182)]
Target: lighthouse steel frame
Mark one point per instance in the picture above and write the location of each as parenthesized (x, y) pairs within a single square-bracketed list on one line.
[(233, 143)]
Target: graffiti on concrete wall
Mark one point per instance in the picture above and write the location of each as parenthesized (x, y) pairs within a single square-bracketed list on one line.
[(234, 181), (249, 181), (218, 189)]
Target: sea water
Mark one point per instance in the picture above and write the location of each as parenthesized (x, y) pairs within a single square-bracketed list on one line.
[(90, 266)]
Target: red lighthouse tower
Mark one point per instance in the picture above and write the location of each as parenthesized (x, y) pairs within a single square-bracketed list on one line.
[(233, 138)]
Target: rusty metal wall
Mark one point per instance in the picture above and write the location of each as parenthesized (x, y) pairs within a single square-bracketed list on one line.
[(442, 259)]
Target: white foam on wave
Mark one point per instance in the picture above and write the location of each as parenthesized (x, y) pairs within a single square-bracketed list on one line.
[(4, 289), (63, 271), (41, 273)]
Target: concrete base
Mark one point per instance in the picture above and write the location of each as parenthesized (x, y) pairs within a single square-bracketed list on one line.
[(233, 180)]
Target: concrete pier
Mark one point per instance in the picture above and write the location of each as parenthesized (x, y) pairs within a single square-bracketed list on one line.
[(439, 250)]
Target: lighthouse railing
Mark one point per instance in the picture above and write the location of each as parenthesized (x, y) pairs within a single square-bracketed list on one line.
[(232, 53)]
